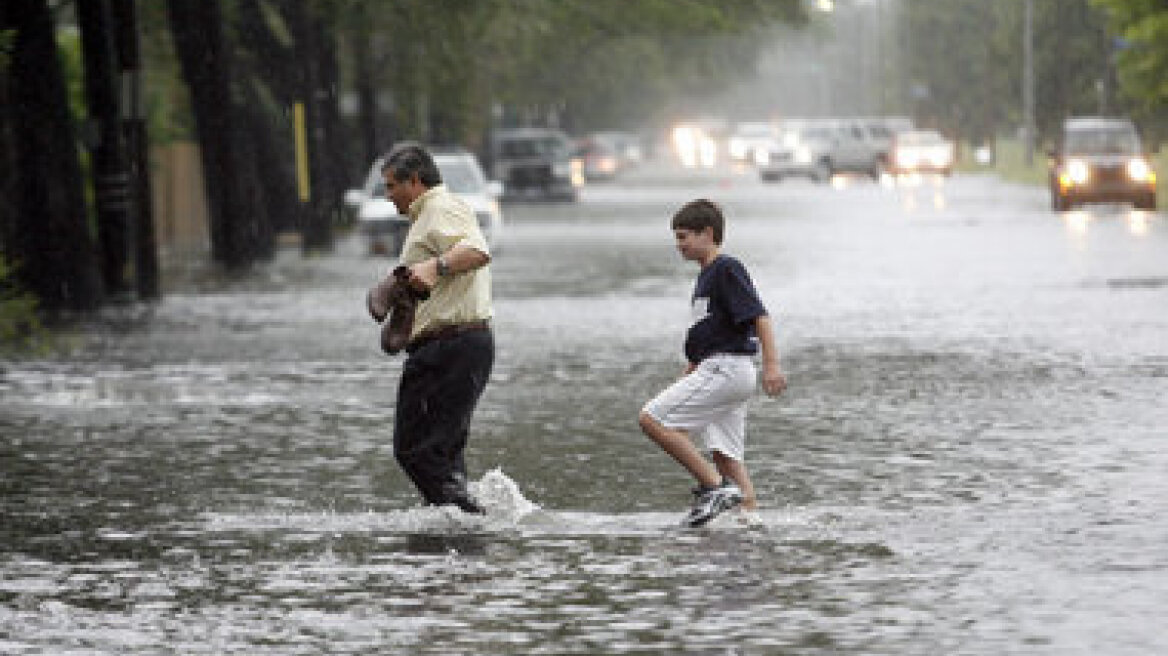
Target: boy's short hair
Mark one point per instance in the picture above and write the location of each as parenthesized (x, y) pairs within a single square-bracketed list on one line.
[(408, 158), (697, 215)]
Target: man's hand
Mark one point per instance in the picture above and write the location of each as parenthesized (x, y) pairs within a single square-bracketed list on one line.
[(773, 380), (424, 274), (459, 259)]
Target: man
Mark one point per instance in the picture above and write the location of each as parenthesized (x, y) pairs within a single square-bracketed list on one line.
[(451, 348)]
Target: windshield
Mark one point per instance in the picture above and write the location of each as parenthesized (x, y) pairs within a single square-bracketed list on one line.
[(534, 147), (755, 130), (459, 175), (1103, 141), (919, 138), (818, 134)]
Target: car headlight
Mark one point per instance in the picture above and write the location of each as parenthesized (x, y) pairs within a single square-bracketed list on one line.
[(803, 155), (1078, 172), (737, 148), (941, 157), (762, 157), (1139, 171)]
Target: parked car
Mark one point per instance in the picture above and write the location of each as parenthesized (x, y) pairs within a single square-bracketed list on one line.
[(801, 150), (1100, 160), (378, 219), (921, 151), (536, 162), (751, 138)]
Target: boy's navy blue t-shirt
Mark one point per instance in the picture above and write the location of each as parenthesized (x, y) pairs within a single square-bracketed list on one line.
[(725, 305)]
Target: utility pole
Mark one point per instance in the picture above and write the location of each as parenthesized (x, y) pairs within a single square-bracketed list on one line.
[(1028, 126)]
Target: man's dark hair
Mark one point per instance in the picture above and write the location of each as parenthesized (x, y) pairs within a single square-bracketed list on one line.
[(406, 159), (697, 215)]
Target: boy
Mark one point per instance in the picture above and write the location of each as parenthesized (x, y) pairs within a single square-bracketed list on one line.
[(730, 325)]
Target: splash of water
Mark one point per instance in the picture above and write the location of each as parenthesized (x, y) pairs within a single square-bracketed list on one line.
[(500, 495)]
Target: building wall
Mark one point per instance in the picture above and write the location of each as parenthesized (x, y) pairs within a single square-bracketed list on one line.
[(181, 218)]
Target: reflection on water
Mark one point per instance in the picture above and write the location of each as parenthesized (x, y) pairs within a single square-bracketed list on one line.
[(969, 461), (1138, 223), (920, 191)]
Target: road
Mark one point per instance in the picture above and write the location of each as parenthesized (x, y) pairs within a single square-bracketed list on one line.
[(970, 458)]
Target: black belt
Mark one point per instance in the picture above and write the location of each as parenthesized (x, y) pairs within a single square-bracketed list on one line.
[(447, 331)]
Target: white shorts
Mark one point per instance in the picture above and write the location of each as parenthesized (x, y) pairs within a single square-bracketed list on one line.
[(710, 403)]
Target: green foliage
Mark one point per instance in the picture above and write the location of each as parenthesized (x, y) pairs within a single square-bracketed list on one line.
[(1143, 56), (592, 64), (168, 112), (7, 43), (20, 328), (73, 68), (964, 62)]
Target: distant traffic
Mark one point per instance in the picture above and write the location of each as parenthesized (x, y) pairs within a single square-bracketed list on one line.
[(1098, 160)]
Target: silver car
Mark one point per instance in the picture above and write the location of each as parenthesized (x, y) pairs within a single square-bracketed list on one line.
[(378, 219), (801, 150)]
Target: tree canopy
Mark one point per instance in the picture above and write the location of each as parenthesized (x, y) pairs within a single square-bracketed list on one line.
[(1141, 43)]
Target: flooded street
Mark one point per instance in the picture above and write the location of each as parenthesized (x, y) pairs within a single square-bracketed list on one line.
[(970, 459)]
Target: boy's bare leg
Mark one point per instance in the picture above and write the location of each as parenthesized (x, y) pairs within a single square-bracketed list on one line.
[(735, 470), (677, 444)]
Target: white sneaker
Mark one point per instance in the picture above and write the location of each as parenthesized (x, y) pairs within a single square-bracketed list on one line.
[(709, 502)]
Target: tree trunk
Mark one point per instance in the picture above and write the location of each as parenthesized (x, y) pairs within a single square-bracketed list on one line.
[(332, 137), (198, 38), (50, 240), (138, 152), (315, 225), (365, 82), (111, 172), (269, 126)]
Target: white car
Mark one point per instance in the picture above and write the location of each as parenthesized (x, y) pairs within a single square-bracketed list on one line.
[(921, 151), (802, 150), (377, 216)]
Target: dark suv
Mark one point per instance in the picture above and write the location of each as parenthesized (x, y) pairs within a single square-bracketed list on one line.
[(1101, 161), (535, 162)]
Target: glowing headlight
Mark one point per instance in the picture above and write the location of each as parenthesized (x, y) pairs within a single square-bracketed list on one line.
[(1078, 172), (762, 157), (737, 149), (803, 155), (1138, 170), (707, 152)]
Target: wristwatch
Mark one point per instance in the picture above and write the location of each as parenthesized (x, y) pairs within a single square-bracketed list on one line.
[(443, 267)]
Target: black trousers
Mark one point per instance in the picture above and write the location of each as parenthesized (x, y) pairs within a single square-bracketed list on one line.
[(441, 383)]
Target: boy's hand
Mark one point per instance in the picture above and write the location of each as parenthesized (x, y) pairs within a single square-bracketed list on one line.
[(773, 380)]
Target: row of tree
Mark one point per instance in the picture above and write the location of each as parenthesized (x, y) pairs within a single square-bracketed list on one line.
[(236, 74), (961, 63)]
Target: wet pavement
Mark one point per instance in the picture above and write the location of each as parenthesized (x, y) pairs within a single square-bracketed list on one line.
[(970, 458)]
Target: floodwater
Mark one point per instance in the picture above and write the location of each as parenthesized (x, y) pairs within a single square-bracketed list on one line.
[(970, 459)]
